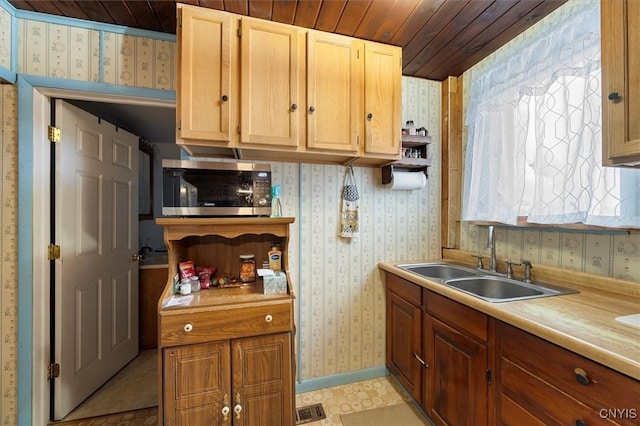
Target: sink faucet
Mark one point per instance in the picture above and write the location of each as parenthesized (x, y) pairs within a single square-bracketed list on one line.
[(491, 243)]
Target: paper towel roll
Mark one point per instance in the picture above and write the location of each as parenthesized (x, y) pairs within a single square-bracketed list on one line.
[(407, 181)]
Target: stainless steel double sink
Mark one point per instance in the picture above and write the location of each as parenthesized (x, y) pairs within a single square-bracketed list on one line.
[(483, 284)]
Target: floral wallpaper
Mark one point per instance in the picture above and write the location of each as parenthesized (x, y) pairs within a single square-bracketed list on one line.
[(138, 61), (340, 296), (8, 251), (74, 53), (5, 38), (614, 255), (57, 51)]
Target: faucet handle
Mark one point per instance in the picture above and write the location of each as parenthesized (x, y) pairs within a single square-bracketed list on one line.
[(509, 267), (527, 270), (479, 265)]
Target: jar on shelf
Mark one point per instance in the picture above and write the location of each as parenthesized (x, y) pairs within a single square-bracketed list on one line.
[(247, 268)]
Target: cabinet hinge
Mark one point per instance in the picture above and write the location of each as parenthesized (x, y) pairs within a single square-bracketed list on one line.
[(179, 124), (358, 54), (53, 371), (488, 376), (179, 17), (53, 252), (54, 134), (239, 132), (239, 32)]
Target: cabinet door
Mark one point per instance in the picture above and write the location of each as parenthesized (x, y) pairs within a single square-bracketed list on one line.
[(262, 381), (196, 381), (206, 66), (457, 388), (404, 341), (383, 99), (620, 75), (334, 91), (271, 68)]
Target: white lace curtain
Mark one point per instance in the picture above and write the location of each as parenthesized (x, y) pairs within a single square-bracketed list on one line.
[(534, 128)]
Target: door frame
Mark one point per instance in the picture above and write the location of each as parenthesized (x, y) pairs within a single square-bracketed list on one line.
[(40, 294)]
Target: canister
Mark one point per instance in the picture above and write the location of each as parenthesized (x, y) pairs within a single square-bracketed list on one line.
[(247, 268)]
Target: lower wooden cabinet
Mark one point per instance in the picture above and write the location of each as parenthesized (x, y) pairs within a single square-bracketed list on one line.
[(246, 381), (151, 284), (477, 370), (436, 349), (542, 381), (458, 378), (404, 335)]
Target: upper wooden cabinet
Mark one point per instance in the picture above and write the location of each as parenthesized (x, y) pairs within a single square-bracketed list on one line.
[(262, 90), (206, 98), (334, 91), (272, 67), (383, 99), (620, 37)]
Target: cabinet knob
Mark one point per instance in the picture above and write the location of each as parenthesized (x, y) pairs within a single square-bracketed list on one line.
[(268, 318), (225, 407), (237, 408), (581, 376), (369, 117), (311, 109), (294, 107), (581, 423), (614, 96), (188, 327), (225, 98), (225, 413)]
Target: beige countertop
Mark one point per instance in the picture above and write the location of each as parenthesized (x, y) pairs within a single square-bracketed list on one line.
[(583, 322)]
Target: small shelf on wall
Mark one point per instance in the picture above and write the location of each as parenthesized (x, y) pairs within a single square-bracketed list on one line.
[(422, 163)]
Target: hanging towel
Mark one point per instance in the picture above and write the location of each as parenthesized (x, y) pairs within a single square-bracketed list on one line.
[(349, 224)]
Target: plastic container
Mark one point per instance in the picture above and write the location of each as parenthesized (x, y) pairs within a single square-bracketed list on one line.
[(275, 258), (276, 206), (247, 268), (195, 284)]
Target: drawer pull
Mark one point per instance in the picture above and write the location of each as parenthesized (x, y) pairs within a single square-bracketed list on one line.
[(581, 376), (188, 327), (268, 318), (424, 364)]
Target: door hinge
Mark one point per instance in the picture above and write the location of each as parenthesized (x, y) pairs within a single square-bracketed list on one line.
[(53, 371), (488, 376), (53, 252), (54, 134)]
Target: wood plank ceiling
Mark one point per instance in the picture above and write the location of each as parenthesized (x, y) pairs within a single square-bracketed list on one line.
[(439, 38)]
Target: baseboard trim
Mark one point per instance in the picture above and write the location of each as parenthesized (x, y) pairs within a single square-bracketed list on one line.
[(341, 379)]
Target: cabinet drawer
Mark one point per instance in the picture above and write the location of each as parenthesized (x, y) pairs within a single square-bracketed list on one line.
[(602, 388), (536, 398), (409, 291), (226, 322), (465, 319)]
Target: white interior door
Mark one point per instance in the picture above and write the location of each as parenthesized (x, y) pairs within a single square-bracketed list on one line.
[(96, 225)]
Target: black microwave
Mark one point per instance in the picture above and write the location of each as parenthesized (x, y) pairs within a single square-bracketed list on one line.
[(206, 188)]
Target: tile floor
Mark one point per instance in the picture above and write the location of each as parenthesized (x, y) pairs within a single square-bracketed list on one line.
[(336, 400), (352, 397)]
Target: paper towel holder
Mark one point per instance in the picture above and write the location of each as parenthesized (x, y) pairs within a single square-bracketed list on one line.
[(387, 172)]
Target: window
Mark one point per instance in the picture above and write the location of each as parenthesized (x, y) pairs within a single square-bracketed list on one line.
[(534, 131)]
